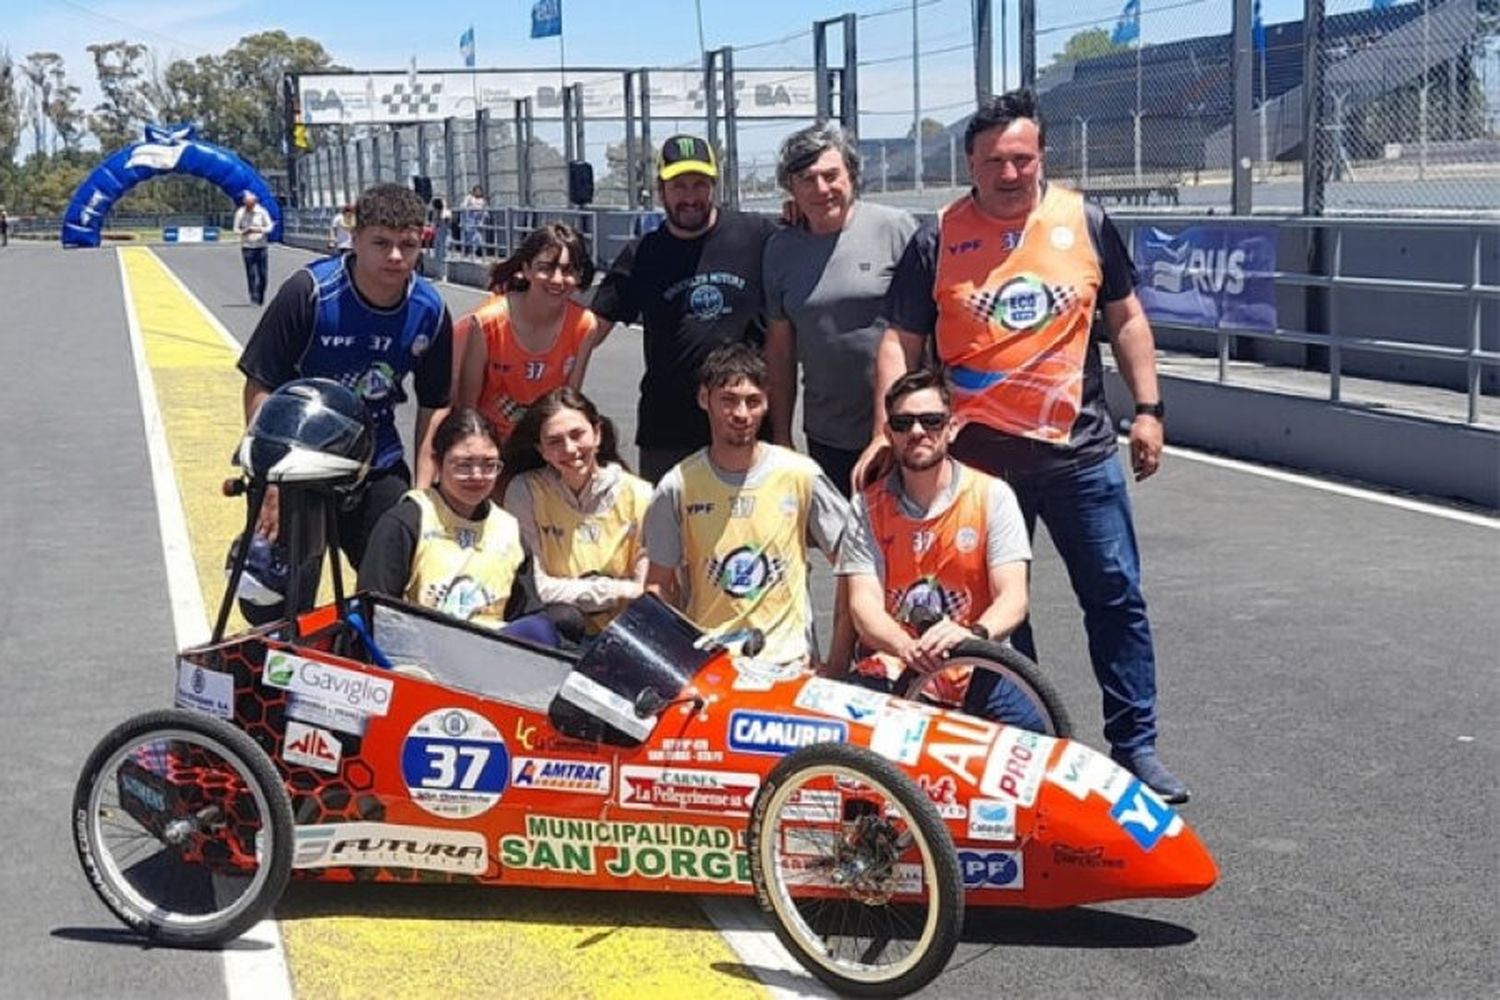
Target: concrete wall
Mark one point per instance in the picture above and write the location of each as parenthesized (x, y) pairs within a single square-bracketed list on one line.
[(1407, 453)]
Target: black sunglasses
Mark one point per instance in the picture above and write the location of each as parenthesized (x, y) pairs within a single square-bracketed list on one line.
[(902, 423)]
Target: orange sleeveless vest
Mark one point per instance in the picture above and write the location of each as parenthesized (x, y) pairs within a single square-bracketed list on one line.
[(1013, 323), (514, 377), (939, 563)]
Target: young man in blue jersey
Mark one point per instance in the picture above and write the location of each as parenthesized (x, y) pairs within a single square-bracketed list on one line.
[(364, 319)]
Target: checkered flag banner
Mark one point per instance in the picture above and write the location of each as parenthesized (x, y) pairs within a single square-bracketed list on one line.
[(412, 100)]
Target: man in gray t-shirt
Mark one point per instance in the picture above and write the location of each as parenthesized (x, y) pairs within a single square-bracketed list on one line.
[(825, 282)]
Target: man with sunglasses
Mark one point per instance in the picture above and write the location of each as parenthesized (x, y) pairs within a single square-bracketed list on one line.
[(934, 541), (1008, 287)]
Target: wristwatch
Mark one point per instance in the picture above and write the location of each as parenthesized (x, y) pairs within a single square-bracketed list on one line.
[(1157, 410), (980, 630)]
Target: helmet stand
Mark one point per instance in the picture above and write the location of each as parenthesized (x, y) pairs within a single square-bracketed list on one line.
[(310, 519)]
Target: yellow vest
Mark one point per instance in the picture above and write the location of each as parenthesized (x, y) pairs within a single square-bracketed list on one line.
[(745, 551), (461, 567), (572, 544)]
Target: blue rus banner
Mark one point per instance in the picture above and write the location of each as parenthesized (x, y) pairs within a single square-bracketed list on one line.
[(1212, 276)]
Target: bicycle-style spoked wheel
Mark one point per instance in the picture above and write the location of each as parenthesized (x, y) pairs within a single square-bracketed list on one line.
[(1018, 691), (183, 828), (856, 870)]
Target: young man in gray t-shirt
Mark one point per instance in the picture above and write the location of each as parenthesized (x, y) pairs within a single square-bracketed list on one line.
[(729, 527), (825, 281)]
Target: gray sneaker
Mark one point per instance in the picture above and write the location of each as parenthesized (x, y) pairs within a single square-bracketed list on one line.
[(1144, 764)]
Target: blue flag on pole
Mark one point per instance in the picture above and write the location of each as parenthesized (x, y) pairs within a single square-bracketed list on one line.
[(546, 18), (1128, 28), (1257, 27), (466, 46)]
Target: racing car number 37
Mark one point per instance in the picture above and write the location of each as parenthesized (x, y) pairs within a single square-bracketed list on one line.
[(455, 763)]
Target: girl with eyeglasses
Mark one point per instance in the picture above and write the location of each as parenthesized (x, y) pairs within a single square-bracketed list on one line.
[(531, 336), (579, 507), (452, 549)]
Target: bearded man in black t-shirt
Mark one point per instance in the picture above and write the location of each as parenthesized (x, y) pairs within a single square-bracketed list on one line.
[(693, 284)]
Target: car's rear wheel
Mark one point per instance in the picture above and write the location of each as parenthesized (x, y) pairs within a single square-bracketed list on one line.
[(1022, 695), (856, 871), (183, 828)]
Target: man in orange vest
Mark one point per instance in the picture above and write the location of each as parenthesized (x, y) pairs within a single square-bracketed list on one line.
[(936, 540), (1006, 286)]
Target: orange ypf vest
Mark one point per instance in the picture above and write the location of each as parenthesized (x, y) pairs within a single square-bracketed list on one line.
[(1014, 312), (514, 377), (939, 563)]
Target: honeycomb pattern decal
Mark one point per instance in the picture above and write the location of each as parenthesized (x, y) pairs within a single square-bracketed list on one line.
[(316, 796)]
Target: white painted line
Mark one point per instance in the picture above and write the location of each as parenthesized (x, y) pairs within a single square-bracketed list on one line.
[(257, 969), (213, 321), (742, 925), (189, 616), (1358, 493)]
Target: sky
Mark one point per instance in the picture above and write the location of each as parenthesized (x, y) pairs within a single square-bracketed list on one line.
[(387, 34)]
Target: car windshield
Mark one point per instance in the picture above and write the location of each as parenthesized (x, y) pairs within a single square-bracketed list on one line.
[(648, 647)]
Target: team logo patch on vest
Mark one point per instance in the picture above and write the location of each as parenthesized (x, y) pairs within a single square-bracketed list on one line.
[(747, 572), (931, 597), (377, 382), (1023, 303), (463, 598)]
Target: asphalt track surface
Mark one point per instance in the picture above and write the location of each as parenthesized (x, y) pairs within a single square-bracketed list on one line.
[(1330, 669)]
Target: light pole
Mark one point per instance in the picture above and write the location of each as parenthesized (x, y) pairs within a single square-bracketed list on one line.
[(1422, 108), (1138, 105), (1083, 147), (916, 102)]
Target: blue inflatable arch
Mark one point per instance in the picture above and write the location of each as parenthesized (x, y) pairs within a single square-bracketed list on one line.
[(168, 149)]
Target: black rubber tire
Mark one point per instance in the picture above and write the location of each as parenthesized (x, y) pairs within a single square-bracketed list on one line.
[(1011, 664), (259, 774), (944, 880)]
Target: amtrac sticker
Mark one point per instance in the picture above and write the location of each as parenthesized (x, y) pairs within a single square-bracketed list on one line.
[(455, 763)]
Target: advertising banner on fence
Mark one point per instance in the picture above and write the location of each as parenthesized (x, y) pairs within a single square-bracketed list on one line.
[(1213, 276), (402, 97)]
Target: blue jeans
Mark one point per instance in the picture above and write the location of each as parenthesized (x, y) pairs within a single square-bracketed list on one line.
[(255, 272), (1087, 513)]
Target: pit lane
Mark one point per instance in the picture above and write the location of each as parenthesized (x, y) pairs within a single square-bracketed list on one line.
[(1328, 668)]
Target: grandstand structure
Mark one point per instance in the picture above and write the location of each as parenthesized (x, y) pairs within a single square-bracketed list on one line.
[(1375, 64)]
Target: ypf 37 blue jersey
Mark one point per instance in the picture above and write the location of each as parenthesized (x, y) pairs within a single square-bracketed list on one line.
[(368, 349)]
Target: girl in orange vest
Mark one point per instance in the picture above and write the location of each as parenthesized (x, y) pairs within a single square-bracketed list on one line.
[(531, 336)]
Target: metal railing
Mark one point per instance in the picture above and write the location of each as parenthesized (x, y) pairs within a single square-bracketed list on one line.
[(1473, 289), (610, 230), (498, 231)]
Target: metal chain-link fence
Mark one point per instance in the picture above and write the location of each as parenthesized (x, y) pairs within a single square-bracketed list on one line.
[(1398, 111)]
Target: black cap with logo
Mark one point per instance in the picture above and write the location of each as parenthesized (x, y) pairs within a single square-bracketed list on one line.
[(686, 154)]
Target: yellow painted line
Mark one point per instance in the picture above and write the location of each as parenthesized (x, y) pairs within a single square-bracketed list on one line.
[(395, 941)]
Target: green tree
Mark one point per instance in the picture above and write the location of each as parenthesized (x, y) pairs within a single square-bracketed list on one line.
[(930, 127), (1087, 45), (121, 69), (10, 110), (253, 108), (52, 100)]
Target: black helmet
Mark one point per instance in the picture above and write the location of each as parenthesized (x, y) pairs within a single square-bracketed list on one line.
[(313, 430)]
